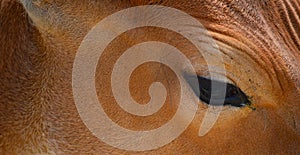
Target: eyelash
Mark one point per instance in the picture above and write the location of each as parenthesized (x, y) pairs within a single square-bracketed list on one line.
[(234, 96)]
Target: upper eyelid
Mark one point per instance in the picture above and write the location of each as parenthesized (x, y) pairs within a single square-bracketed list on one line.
[(201, 69)]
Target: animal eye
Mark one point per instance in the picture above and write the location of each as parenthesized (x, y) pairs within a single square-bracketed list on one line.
[(234, 96)]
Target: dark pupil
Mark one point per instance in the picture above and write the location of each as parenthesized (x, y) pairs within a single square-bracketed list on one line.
[(234, 96)]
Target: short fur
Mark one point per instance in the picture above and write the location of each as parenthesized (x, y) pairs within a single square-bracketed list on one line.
[(38, 42)]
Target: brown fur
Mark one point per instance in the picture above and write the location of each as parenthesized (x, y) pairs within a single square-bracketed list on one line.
[(38, 43)]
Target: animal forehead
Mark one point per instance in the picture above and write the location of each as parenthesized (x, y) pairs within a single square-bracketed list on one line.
[(270, 28)]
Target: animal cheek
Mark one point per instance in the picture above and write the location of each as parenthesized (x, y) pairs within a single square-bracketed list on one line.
[(289, 111), (284, 112)]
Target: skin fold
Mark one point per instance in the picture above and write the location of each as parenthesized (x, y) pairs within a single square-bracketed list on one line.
[(260, 45)]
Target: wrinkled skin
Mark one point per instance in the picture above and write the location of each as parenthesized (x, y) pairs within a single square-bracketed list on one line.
[(260, 41)]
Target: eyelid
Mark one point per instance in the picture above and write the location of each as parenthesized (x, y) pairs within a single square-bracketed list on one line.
[(213, 72)]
